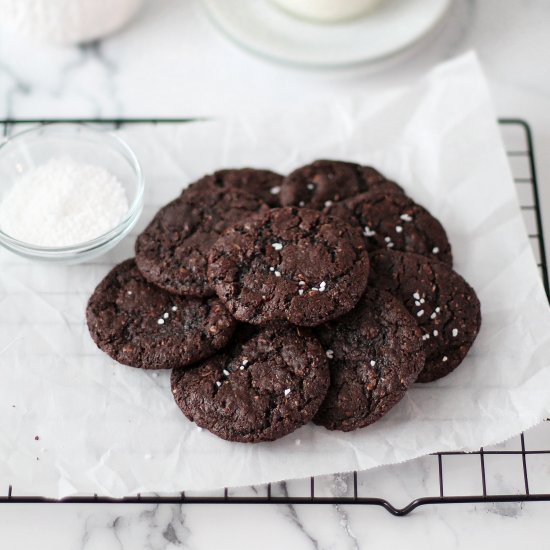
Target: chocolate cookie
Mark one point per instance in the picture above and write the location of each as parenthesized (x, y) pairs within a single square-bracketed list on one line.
[(319, 184), (291, 264), (261, 183), (172, 252), (393, 220), (444, 305), (375, 353), (140, 325), (267, 384)]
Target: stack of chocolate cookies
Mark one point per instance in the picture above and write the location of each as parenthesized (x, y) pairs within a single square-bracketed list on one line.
[(278, 301)]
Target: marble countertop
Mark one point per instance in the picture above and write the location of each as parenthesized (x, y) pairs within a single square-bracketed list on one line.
[(156, 67)]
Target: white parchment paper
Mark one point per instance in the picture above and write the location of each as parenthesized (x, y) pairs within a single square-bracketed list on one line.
[(114, 430)]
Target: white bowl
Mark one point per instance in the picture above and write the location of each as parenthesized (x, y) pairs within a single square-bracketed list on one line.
[(261, 27), (66, 22)]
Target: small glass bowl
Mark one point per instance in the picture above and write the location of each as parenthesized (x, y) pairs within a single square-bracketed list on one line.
[(31, 148)]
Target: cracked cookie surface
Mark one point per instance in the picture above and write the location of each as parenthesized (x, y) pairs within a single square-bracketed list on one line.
[(269, 382), (289, 264), (393, 220), (444, 305), (172, 252), (140, 325), (323, 182), (264, 184), (374, 353)]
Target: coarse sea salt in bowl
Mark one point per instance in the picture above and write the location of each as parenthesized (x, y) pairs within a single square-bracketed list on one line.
[(68, 192)]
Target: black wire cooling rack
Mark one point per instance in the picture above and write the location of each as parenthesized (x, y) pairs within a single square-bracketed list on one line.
[(450, 477)]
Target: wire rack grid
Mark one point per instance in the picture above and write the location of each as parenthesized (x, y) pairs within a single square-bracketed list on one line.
[(452, 483)]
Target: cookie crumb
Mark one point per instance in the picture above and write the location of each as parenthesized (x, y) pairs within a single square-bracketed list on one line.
[(36, 437)]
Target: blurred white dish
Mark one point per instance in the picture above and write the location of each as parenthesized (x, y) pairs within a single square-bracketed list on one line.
[(327, 11), (264, 29)]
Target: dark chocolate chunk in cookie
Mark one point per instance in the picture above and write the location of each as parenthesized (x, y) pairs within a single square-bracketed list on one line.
[(289, 264), (323, 182), (393, 220), (264, 184), (172, 252), (141, 325), (444, 305), (375, 353), (268, 383)]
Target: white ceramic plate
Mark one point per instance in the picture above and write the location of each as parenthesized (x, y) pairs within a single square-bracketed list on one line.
[(263, 28)]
